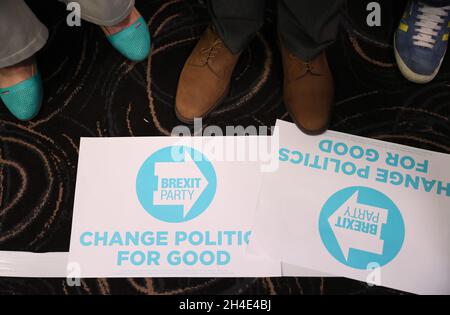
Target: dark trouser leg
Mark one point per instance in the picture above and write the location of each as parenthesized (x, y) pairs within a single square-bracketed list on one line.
[(236, 21), (307, 27), (437, 3)]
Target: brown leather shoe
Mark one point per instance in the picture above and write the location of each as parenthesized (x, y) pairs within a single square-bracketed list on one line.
[(205, 79), (308, 91)]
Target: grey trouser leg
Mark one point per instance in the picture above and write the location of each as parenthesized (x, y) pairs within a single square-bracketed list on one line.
[(104, 12), (22, 34), (306, 26)]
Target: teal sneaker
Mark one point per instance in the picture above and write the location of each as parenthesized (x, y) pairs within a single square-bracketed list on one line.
[(24, 99), (133, 42)]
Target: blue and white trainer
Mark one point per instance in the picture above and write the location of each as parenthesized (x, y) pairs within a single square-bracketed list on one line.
[(421, 40)]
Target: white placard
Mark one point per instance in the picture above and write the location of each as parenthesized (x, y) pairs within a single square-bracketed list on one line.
[(358, 208), (36, 265), (167, 207)]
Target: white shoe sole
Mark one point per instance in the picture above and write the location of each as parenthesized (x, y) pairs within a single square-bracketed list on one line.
[(411, 75)]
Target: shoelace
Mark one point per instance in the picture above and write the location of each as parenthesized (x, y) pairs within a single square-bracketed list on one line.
[(429, 23), (210, 52), (309, 67)]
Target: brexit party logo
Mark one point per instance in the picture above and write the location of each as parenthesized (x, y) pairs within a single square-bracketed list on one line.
[(176, 184), (361, 226)]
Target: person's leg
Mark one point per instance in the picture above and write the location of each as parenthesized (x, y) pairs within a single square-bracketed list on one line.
[(21, 36), (21, 33), (205, 79), (124, 26), (306, 29), (237, 21), (421, 39), (104, 12), (437, 3)]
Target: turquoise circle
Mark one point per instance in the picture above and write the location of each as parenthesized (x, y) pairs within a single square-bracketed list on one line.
[(147, 183), (392, 233)]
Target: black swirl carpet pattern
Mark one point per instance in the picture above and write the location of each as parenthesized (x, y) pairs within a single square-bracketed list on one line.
[(90, 90)]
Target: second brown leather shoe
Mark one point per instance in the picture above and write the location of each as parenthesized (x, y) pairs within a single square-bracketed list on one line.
[(205, 79), (308, 91)]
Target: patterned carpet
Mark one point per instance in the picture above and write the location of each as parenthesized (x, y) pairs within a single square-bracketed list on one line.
[(92, 91)]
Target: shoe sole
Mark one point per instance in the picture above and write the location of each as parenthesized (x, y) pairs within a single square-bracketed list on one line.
[(309, 132), (205, 115), (409, 74)]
